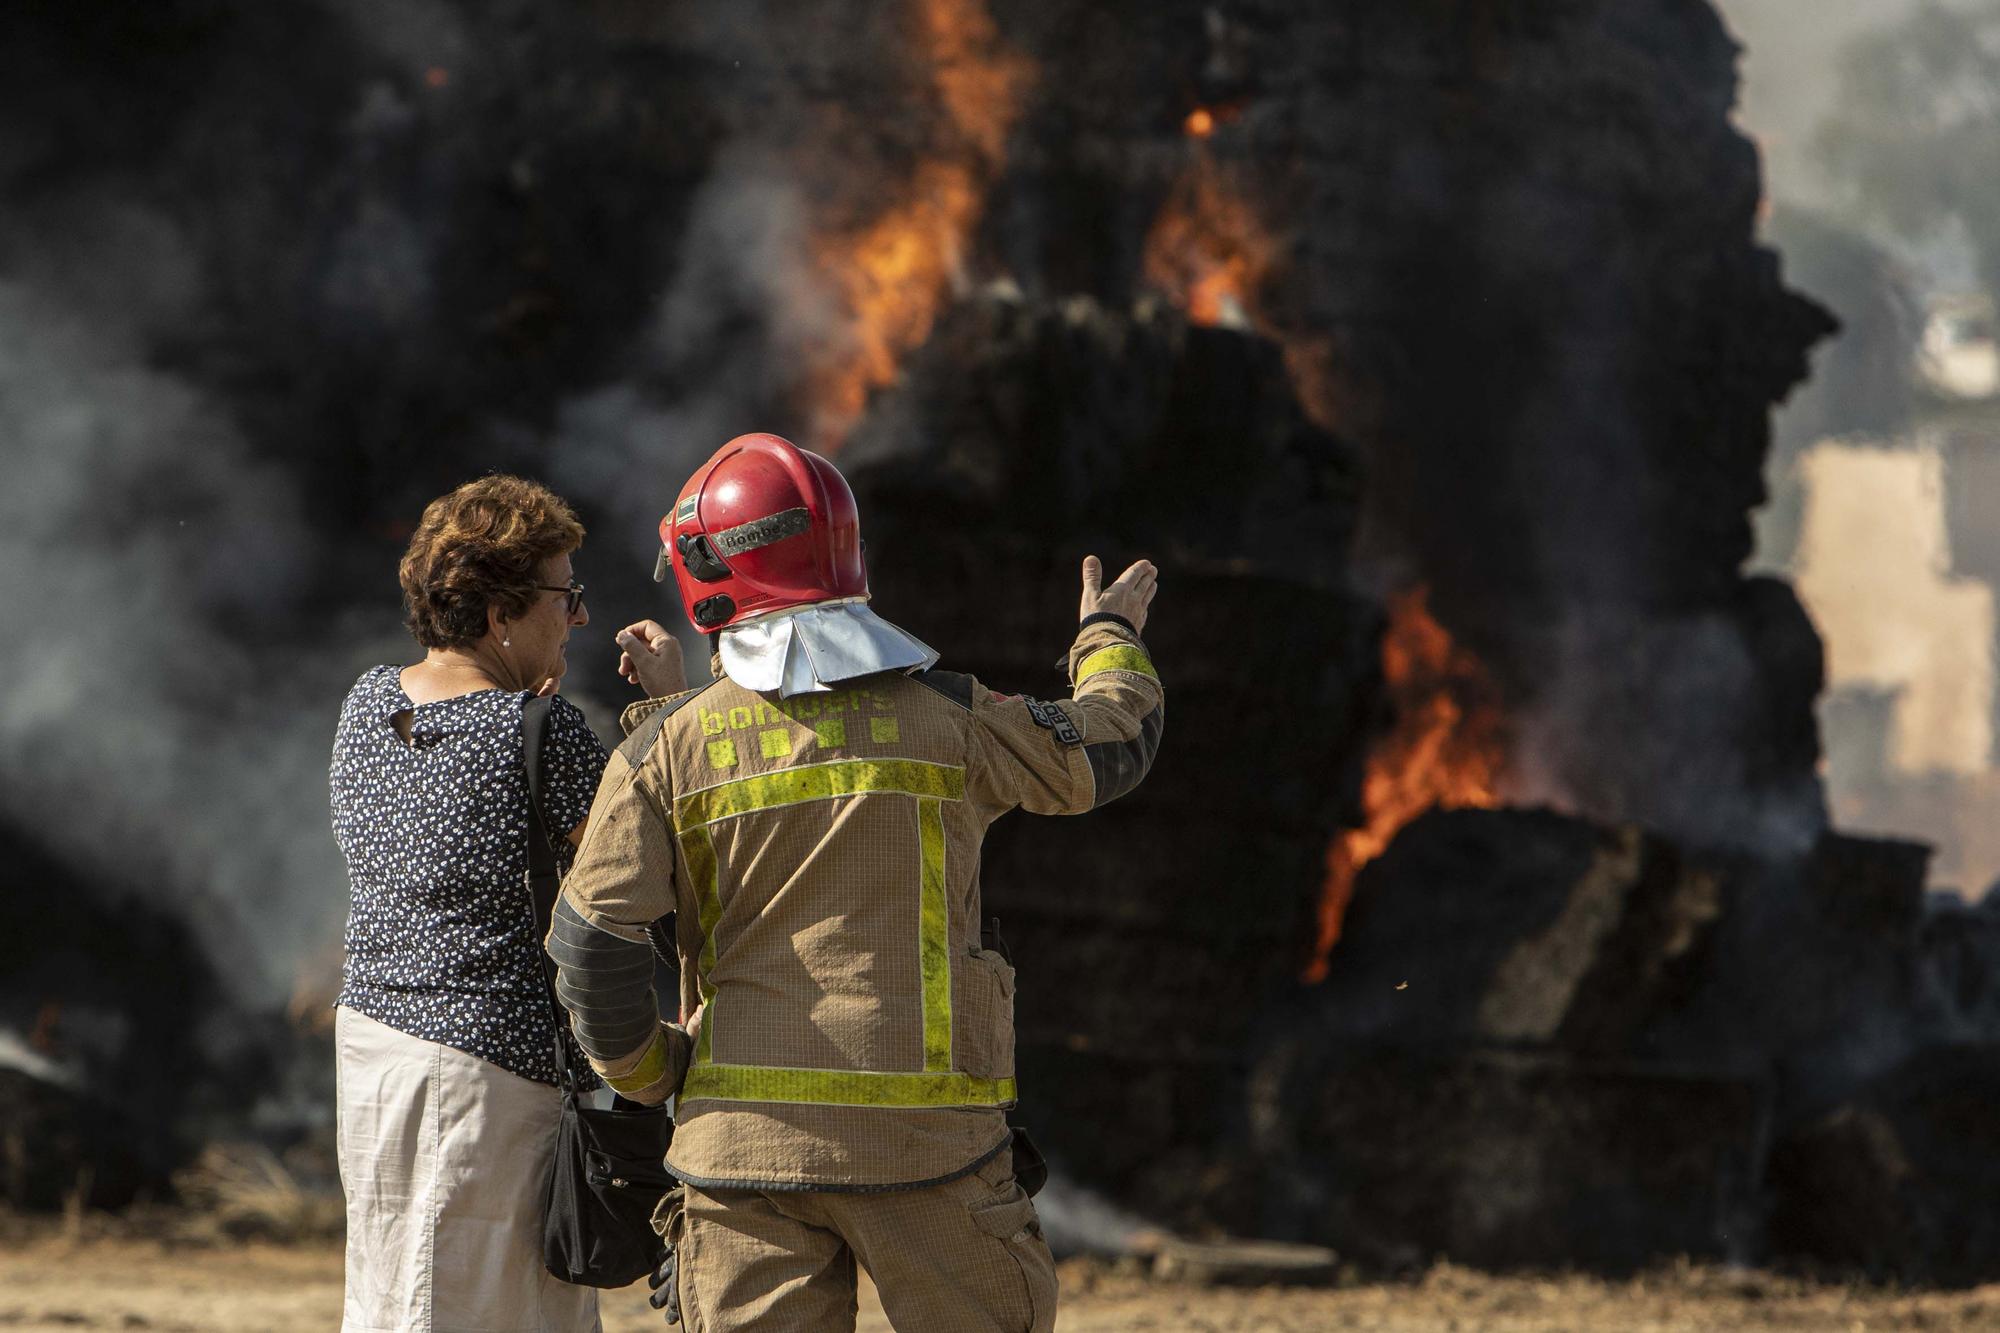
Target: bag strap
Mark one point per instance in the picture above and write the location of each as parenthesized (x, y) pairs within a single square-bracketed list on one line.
[(544, 880)]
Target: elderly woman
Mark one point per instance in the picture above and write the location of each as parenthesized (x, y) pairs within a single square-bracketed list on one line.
[(446, 1051)]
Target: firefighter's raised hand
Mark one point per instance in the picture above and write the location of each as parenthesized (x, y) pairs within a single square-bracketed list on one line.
[(1128, 596), (650, 658)]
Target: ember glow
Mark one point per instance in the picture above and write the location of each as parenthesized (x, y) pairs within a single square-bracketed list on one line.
[(1209, 251), (1200, 122), (1446, 751), (890, 272)]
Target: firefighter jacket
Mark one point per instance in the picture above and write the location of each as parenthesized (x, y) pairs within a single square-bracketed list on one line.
[(820, 854)]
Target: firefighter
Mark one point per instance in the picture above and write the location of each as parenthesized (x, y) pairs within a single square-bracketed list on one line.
[(813, 819)]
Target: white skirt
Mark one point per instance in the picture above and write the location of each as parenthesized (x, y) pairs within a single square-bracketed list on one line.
[(445, 1160)]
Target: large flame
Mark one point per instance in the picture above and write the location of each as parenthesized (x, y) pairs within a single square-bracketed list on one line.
[(1211, 252), (1445, 751), (890, 273), (1208, 250)]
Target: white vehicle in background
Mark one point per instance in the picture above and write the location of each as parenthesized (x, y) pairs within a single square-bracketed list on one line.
[(1958, 356)]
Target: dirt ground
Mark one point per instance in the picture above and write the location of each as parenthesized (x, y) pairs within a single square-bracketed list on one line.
[(65, 1283)]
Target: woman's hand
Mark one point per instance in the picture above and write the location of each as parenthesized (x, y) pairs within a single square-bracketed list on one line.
[(1129, 597), (651, 659)]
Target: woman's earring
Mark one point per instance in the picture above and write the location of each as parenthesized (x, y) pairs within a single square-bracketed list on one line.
[(507, 642)]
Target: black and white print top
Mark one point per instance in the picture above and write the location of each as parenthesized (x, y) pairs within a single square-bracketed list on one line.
[(441, 940)]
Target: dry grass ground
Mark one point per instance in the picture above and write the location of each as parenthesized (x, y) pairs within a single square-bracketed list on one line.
[(57, 1279)]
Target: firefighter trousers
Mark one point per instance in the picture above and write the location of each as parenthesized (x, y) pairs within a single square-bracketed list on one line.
[(966, 1256)]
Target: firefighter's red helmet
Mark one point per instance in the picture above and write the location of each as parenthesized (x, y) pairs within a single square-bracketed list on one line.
[(762, 526)]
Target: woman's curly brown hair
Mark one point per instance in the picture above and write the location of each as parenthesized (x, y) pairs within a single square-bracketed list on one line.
[(480, 546)]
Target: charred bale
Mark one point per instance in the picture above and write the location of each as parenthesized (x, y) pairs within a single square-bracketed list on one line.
[(1959, 967), (63, 1148), (1501, 1158), (1899, 1181), (1814, 964), (1474, 1078), (1149, 936), (1516, 926), (115, 994)]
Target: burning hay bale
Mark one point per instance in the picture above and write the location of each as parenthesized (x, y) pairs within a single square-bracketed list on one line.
[(1024, 434), (1546, 1041), (1477, 1076), (1518, 927)]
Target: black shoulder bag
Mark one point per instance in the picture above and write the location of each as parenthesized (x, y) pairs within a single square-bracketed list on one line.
[(609, 1171)]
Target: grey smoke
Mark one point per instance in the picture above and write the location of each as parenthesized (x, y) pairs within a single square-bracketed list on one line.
[(162, 728), (699, 379), (732, 347), (139, 736), (1788, 80), (17, 1054), (1797, 68), (1076, 1220), (1792, 83), (1694, 679), (743, 315), (417, 35)]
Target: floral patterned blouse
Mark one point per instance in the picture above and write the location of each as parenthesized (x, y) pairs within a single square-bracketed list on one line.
[(441, 940)]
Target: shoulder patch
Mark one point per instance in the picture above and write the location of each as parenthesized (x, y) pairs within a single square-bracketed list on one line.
[(953, 685), (1052, 717)]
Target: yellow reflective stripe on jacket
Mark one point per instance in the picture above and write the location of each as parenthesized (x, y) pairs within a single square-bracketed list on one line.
[(647, 1072), (934, 937), (819, 782), (937, 1085), (832, 1087), (699, 852), (1117, 657)]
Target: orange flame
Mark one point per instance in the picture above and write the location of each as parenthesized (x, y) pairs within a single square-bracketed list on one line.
[(1209, 251), (890, 274), (1446, 752)]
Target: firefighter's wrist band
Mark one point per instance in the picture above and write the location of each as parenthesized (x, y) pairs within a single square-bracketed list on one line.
[(1111, 616)]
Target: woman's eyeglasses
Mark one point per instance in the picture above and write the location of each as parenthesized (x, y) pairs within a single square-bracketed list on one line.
[(574, 589)]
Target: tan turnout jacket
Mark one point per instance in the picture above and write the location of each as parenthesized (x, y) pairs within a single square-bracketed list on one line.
[(821, 856)]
